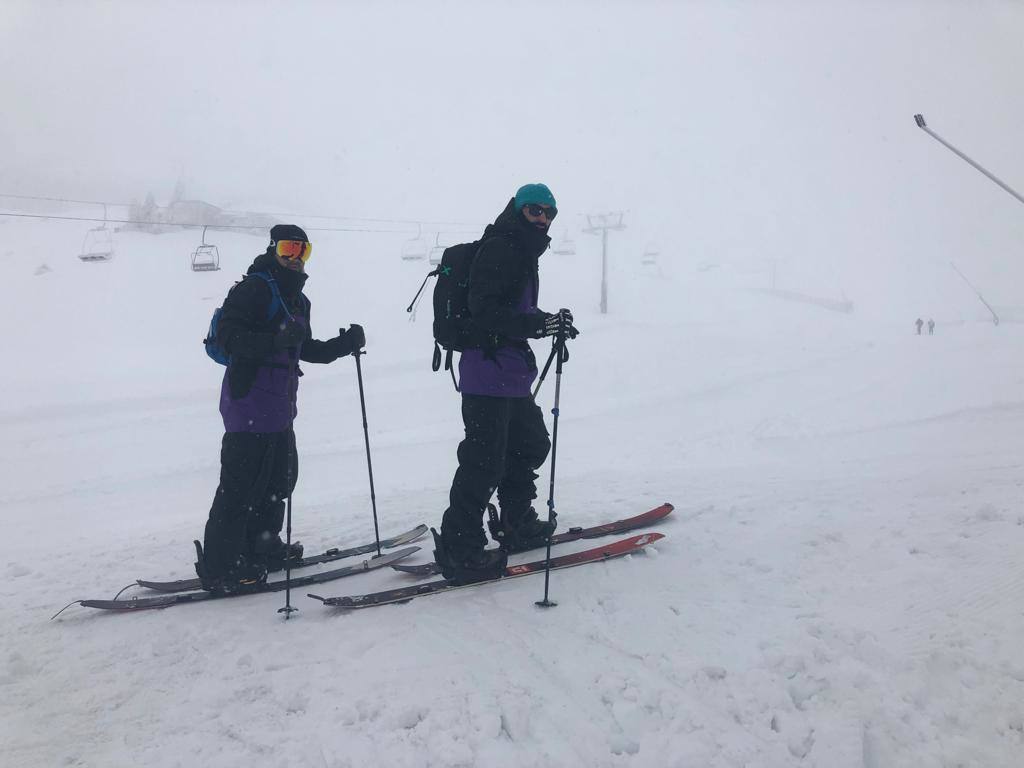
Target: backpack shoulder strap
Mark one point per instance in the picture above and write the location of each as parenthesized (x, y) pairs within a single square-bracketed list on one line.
[(275, 295), (503, 236), (506, 236)]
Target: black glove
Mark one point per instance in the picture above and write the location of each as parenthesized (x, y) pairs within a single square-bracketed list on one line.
[(347, 342), (554, 325), (291, 335), (355, 337)]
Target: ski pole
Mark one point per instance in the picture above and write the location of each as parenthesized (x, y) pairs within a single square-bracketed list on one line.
[(366, 434), (563, 352), (919, 119), (288, 608), (544, 373), (559, 345)]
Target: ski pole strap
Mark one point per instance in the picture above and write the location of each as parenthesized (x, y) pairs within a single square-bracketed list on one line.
[(563, 350)]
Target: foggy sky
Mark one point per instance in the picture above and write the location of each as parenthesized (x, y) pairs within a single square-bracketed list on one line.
[(739, 127)]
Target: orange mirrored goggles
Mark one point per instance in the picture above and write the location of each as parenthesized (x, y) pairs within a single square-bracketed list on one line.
[(294, 249)]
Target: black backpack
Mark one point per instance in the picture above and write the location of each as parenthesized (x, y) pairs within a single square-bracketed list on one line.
[(454, 329)]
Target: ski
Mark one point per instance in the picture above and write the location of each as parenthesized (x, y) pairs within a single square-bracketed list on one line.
[(166, 601), (573, 534), (189, 585), (404, 594)]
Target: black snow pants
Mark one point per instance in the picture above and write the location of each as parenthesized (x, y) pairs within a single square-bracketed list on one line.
[(255, 480), (506, 442)]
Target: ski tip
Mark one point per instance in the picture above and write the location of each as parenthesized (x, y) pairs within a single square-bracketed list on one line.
[(670, 505), (416, 533), (316, 597)]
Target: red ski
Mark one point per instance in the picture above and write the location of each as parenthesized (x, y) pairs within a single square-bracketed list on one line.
[(573, 534), (404, 594)]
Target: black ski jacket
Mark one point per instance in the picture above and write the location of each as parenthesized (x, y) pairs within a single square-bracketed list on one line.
[(506, 260), (248, 336)]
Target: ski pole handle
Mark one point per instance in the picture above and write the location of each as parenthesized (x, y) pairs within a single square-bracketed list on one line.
[(362, 334)]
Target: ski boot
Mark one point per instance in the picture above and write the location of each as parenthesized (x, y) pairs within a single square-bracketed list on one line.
[(244, 577), (275, 554), (462, 558), (518, 532)]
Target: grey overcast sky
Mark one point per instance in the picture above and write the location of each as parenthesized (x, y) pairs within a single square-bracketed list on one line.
[(767, 126)]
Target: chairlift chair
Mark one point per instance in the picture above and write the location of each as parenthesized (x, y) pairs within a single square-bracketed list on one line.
[(565, 246), (437, 251), (98, 245), (206, 257), (99, 242), (415, 249)]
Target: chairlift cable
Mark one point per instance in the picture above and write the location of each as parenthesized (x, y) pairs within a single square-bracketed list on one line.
[(261, 213), (191, 226)]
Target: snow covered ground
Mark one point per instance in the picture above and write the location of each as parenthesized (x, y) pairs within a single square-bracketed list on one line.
[(841, 584)]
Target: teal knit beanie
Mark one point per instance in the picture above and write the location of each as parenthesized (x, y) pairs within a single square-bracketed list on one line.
[(537, 194)]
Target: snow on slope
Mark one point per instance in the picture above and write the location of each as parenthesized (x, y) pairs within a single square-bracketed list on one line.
[(841, 583)]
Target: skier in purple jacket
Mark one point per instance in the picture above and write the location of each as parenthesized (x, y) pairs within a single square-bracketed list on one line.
[(506, 440), (265, 329)]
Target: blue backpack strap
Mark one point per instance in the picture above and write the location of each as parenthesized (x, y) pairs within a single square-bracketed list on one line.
[(275, 296)]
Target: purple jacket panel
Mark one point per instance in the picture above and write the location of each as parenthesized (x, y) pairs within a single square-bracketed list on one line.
[(271, 403), (510, 373)]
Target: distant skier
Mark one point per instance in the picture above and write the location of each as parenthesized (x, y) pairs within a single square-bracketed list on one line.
[(506, 440), (919, 323), (265, 329), (931, 327)]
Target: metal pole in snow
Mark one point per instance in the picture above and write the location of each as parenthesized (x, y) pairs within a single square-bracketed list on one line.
[(604, 222), (604, 271)]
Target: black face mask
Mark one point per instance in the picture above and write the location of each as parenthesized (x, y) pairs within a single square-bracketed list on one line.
[(529, 226), (289, 280)]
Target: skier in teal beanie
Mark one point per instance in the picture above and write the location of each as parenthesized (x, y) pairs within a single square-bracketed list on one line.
[(537, 194)]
